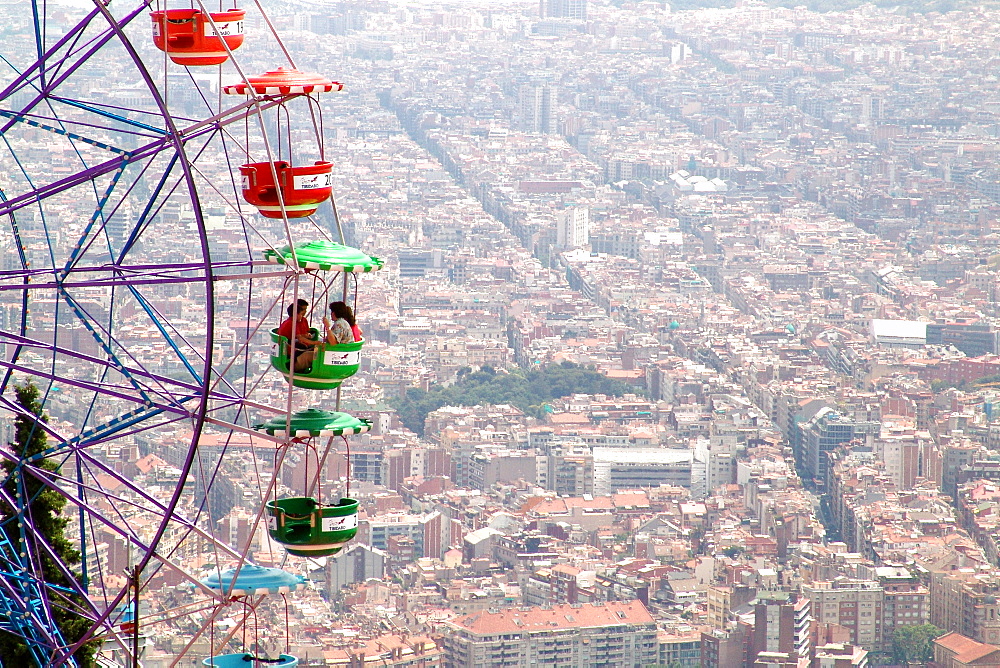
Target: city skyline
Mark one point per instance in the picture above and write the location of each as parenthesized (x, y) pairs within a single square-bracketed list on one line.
[(767, 234)]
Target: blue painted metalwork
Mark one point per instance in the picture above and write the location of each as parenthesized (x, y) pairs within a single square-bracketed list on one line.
[(98, 212), (21, 598), (245, 660), (115, 362), (134, 234), (62, 131), (163, 332), (108, 114)]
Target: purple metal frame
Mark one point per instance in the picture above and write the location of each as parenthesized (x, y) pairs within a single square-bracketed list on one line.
[(174, 141), (144, 275), (97, 45), (114, 390), (26, 74), (175, 138), (172, 395), (155, 505), (52, 482)]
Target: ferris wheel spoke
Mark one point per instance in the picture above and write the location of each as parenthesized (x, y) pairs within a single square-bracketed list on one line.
[(147, 503), (19, 614), (37, 194), (60, 60), (157, 382), (153, 206), (21, 596), (119, 504), (155, 509), (118, 275), (150, 209), (158, 322), (102, 110), (17, 410), (85, 238), (35, 585), (16, 584), (104, 339), (74, 445), (106, 390), (88, 323), (142, 414), (71, 35), (61, 131), (123, 516), (105, 216), (149, 131), (115, 427)]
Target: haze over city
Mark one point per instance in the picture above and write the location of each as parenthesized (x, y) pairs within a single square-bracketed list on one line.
[(677, 339)]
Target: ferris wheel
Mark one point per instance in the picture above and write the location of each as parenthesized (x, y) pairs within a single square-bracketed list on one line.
[(157, 213)]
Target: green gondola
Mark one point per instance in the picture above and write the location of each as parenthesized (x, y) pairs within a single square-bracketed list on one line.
[(332, 365), (333, 362), (307, 529)]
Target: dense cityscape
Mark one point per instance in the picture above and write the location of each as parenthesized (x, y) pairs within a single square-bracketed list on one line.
[(742, 266)]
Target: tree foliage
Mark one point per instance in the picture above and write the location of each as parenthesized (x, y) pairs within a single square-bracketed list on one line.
[(528, 390), (45, 508), (914, 644)]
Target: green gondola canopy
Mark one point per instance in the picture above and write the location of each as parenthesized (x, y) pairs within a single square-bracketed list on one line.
[(325, 256), (315, 422)]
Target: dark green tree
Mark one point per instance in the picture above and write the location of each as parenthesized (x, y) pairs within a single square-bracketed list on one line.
[(528, 390), (45, 507), (914, 644)]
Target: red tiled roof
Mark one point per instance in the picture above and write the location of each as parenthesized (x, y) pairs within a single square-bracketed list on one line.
[(630, 500), (555, 618), (149, 462), (569, 418), (531, 504), (964, 648), (541, 505)]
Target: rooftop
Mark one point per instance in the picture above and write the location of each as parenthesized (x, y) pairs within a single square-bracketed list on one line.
[(558, 617)]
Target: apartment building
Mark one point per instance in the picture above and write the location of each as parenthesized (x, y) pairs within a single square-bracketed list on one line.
[(906, 601), (782, 636), (681, 650), (857, 605), (966, 600), (567, 636), (721, 601)]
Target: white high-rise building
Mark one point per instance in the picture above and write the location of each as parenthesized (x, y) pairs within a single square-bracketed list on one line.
[(563, 9), (537, 107), (678, 52), (573, 227)]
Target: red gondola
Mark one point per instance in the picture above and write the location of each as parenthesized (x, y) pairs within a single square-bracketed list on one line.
[(302, 188), (189, 38)]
